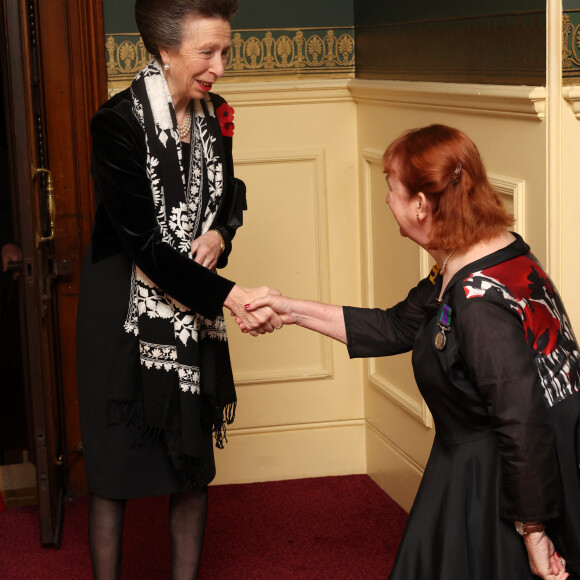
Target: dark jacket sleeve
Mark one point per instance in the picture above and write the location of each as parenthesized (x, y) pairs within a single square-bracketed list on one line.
[(125, 218), (376, 332), (501, 364)]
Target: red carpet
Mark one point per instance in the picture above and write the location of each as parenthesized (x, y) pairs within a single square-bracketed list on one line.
[(323, 528)]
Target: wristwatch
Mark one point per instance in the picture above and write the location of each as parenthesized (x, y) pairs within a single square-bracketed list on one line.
[(525, 528)]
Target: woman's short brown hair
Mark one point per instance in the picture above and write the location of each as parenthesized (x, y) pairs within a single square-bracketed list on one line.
[(160, 22), (445, 165)]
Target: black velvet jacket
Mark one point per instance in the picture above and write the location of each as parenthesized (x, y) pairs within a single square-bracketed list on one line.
[(125, 213)]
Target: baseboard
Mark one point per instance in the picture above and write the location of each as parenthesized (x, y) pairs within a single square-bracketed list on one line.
[(393, 470), (20, 497), (292, 452)]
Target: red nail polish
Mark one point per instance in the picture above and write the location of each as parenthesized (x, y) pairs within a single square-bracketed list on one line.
[(246, 306)]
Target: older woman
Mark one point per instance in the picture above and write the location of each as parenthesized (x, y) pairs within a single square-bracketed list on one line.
[(154, 376), (496, 361)]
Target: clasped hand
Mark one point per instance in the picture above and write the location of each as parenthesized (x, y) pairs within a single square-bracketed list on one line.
[(269, 302), (254, 319), (206, 249)]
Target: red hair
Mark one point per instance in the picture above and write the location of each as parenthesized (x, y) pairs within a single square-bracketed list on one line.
[(444, 164)]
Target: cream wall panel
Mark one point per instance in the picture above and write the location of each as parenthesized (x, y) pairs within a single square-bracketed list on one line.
[(506, 124), (570, 214), (406, 432), (318, 227), (512, 192), (396, 472), (392, 268), (295, 192), (300, 402)]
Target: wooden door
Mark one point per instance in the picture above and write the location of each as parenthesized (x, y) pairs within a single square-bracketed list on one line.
[(54, 80), (72, 47)]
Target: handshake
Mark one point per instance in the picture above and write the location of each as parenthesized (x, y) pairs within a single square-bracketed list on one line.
[(259, 310)]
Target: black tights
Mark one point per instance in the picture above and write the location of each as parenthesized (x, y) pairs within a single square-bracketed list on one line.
[(187, 516)]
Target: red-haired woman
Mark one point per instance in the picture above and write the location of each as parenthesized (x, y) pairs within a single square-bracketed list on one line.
[(496, 360)]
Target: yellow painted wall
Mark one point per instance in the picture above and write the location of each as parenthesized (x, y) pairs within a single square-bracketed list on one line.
[(300, 410), (506, 125), (317, 227), (570, 212)]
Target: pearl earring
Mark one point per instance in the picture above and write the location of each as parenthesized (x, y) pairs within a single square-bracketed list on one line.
[(166, 66)]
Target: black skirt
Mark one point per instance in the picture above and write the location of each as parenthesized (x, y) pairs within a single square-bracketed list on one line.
[(120, 460)]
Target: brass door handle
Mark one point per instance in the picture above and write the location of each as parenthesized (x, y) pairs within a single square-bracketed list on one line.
[(49, 204)]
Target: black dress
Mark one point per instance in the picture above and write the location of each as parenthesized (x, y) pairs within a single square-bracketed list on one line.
[(504, 397), (120, 462)]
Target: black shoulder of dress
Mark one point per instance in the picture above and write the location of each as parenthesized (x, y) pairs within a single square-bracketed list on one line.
[(119, 100)]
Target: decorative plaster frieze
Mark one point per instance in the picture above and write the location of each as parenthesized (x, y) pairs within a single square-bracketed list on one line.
[(254, 53)]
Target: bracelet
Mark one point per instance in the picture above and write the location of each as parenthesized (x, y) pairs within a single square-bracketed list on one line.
[(525, 528), (222, 242)]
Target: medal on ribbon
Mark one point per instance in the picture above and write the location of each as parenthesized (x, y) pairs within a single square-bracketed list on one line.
[(444, 325)]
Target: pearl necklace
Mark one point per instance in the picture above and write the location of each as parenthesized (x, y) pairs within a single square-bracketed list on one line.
[(445, 261), (185, 128)]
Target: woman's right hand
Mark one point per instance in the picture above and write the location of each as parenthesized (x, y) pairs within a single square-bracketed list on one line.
[(545, 562), (257, 321)]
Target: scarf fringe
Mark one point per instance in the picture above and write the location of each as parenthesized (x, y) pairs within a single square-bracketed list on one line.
[(130, 413), (219, 428)]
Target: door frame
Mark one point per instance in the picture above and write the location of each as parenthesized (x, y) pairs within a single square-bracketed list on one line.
[(25, 139), (72, 47), (67, 41)]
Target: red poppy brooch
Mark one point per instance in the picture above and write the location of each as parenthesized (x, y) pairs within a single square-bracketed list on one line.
[(225, 115)]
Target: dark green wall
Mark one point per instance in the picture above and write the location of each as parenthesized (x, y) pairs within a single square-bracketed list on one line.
[(119, 16), (294, 14), (270, 38), (253, 14), (496, 42), (377, 12)]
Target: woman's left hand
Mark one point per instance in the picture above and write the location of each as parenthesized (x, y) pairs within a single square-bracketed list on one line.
[(206, 249), (545, 562)]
